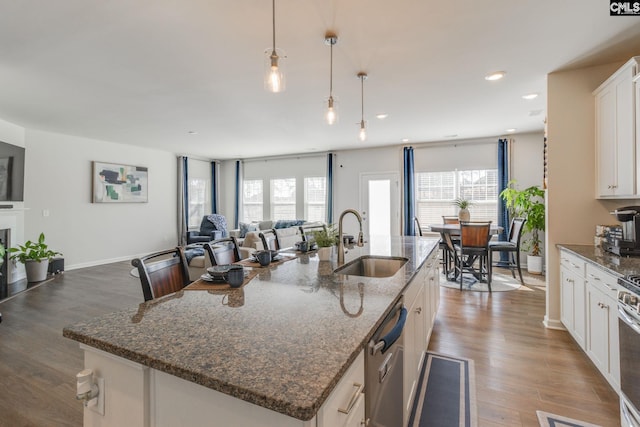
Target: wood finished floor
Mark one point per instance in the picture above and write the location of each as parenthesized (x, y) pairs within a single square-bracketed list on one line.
[(520, 366)]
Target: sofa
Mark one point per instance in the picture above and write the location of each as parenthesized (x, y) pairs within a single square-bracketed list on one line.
[(248, 235)]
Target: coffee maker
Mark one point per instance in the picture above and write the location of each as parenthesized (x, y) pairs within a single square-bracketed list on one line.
[(624, 239)]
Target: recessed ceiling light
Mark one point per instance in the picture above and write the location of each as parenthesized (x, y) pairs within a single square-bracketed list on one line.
[(510, 130), (192, 132), (382, 116), (405, 139), (530, 96), (497, 75)]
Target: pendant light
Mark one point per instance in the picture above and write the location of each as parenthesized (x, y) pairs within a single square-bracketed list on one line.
[(274, 68), (331, 115), (363, 129)]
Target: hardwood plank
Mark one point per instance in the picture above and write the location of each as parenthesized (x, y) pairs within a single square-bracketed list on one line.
[(521, 366)]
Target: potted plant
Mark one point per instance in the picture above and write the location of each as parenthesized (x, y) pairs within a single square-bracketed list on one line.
[(326, 239), (463, 208), (35, 256), (528, 203)]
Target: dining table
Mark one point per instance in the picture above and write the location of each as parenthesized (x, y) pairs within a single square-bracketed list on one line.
[(449, 232)]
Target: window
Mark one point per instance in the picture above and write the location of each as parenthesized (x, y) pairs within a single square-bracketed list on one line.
[(283, 198), (197, 201), (315, 191), (435, 192), (252, 194)]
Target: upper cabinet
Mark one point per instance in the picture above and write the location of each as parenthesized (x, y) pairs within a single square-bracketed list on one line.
[(616, 142)]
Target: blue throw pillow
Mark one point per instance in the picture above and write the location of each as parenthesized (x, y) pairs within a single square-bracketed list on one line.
[(245, 228)]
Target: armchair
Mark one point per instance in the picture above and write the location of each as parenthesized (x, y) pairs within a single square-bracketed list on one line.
[(212, 227)]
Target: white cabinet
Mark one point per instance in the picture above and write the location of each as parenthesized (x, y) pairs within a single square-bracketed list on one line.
[(572, 296), (602, 328), (615, 134), (422, 300), (345, 405)]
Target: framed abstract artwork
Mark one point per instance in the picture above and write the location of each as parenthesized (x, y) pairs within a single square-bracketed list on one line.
[(117, 183)]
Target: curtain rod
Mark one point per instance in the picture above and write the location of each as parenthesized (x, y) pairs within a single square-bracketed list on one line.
[(284, 157)]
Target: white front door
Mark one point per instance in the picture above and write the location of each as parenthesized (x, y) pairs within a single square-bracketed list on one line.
[(380, 203)]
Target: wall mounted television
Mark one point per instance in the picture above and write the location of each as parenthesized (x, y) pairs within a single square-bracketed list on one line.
[(11, 173)]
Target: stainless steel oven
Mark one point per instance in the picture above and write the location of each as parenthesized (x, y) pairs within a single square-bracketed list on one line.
[(629, 330)]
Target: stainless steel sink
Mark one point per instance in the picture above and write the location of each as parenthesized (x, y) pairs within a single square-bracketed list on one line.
[(372, 266)]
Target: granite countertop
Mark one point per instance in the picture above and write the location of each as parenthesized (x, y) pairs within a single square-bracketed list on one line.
[(282, 341), (619, 266)]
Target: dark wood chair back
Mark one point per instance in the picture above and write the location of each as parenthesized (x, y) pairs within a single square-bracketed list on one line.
[(475, 234), (450, 220), (223, 251), (162, 273), (270, 240)]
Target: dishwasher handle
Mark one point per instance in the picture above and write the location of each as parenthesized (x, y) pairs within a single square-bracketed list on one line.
[(387, 341)]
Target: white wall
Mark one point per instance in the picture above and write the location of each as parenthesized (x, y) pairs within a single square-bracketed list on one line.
[(572, 210), (58, 180)]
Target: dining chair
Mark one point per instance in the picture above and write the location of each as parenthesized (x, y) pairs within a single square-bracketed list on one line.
[(162, 273), (306, 231), (223, 251), (511, 246), (450, 219), (474, 246), (270, 239), (418, 228), (447, 255)]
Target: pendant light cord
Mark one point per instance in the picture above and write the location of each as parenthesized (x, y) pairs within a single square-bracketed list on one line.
[(331, 72), (362, 95), (273, 3)]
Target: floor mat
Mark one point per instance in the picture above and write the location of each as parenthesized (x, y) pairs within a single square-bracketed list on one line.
[(446, 394), (551, 420)]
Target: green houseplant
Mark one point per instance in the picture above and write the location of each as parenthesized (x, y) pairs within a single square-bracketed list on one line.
[(326, 239), (528, 203), (35, 256), (463, 208)]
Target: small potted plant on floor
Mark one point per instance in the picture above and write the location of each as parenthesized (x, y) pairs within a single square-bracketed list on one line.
[(326, 239), (528, 203), (463, 208), (35, 256)]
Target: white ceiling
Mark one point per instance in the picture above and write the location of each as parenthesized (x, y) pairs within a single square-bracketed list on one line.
[(147, 72)]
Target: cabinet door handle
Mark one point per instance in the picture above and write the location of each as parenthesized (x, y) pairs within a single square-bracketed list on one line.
[(609, 287), (353, 400), (594, 277), (418, 310), (604, 306)]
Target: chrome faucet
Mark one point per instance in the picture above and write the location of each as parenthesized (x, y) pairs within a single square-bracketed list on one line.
[(360, 241)]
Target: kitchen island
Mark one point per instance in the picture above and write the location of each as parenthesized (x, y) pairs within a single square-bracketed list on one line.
[(282, 343)]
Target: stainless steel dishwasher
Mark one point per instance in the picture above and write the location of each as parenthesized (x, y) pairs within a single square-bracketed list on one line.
[(383, 366)]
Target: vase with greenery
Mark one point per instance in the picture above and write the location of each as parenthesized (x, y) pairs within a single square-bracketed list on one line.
[(35, 256), (463, 208), (326, 239), (528, 203)]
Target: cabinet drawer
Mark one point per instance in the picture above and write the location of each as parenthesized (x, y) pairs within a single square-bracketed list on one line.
[(572, 263), (346, 400), (606, 282)]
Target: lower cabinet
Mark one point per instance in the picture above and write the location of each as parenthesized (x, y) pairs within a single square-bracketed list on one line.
[(573, 315), (422, 300), (589, 312), (345, 405), (602, 314)]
